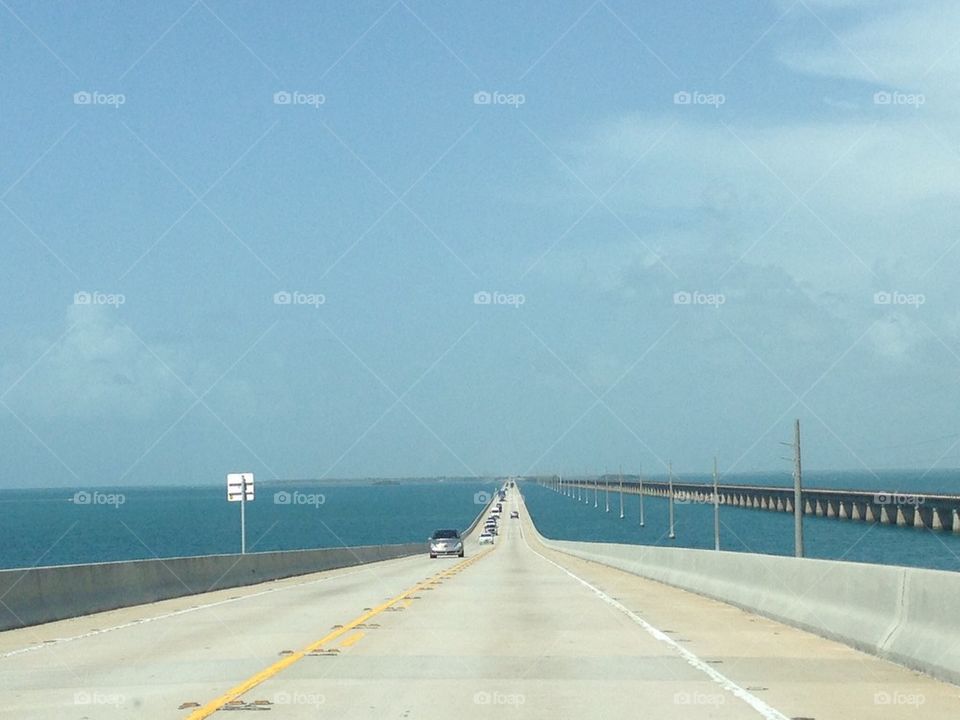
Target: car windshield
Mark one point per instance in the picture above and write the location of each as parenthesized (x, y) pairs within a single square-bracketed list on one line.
[(445, 534)]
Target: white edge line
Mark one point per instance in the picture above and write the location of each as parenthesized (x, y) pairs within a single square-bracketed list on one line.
[(693, 660), (143, 621)]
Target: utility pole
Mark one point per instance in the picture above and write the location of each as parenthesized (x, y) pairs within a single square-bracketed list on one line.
[(596, 490), (797, 490), (606, 489), (716, 507), (621, 492), (797, 493), (640, 476), (672, 534)]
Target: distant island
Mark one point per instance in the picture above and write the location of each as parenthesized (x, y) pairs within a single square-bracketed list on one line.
[(386, 482)]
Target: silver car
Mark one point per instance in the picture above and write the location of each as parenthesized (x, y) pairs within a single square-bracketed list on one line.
[(445, 542)]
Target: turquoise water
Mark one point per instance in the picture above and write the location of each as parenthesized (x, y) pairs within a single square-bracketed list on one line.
[(744, 530), (44, 527)]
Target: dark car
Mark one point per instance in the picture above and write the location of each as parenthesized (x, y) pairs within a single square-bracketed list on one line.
[(445, 542)]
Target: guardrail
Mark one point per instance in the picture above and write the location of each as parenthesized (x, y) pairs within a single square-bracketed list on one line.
[(44, 594), (907, 615)]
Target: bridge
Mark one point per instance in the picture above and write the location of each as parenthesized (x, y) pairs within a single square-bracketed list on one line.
[(920, 510), (528, 627)]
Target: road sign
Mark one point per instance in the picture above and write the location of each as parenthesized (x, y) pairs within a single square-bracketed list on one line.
[(240, 489), (236, 484)]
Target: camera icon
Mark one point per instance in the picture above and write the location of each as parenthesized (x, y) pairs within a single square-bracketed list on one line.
[(682, 98), (482, 97), (482, 298), (682, 298), (82, 98), (482, 498), (882, 498), (882, 298), (282, 498), (82, 497), (481, 698), (282, 298), (82, 298), (882, 97), (282, 97)]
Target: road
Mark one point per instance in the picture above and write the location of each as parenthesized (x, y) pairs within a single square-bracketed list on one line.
[(516, 630)]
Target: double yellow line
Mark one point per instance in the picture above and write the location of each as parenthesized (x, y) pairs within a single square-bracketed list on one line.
[(267, 673)]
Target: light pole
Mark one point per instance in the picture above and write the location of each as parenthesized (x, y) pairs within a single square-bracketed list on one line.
[(672, 534)]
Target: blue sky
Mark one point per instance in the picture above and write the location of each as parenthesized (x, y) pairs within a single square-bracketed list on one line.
[(696, 223)]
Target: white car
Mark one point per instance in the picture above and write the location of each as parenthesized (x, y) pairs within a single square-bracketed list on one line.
[(486, 539)]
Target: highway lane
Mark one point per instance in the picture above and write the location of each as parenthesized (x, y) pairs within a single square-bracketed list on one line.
[(520, 631), (528, 632), (147, 661)]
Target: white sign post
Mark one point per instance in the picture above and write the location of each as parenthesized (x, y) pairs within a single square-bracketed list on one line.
[(240, 489)]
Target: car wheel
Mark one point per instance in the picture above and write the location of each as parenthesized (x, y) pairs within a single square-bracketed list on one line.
[(461, 553), (432, 556)]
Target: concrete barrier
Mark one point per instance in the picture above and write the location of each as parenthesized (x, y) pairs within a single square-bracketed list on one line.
[(907, 615), (44, 594)]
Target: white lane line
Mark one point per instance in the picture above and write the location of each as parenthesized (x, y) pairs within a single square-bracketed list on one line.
[(165, 616), (692, 659)]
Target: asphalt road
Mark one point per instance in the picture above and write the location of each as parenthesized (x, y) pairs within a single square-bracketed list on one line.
[(515, 630)]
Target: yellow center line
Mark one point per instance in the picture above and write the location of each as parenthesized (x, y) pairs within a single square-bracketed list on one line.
[(350, 640), (267, 673)]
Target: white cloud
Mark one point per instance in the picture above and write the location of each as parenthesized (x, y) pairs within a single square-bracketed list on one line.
[(907, 45), (98, 370)]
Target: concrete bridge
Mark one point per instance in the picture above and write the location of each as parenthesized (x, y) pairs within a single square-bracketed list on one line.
[(920, 510), (528, 628)]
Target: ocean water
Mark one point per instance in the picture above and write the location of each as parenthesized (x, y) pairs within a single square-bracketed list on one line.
[(46, 527), (56, 527), (759, 531)]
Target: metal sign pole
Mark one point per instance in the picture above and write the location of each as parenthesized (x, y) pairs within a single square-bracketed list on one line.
[(240, 489), (243, 520)]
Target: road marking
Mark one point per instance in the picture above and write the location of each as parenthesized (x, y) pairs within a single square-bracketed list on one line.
[(692, 659), (352, 639), (175, 613), (267, 673)]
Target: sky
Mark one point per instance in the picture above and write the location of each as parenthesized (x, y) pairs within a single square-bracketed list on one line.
[(420, 238)]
